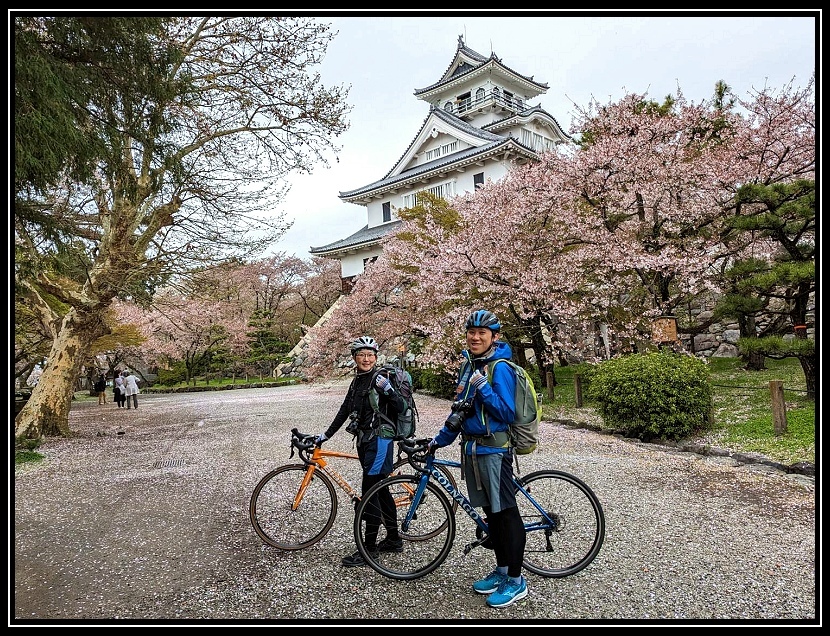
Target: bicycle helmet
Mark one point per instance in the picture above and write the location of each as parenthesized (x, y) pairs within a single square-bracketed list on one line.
[(364, 342), (483, 318)]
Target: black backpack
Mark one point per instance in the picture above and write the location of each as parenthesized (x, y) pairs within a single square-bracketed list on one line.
[(406, 422)]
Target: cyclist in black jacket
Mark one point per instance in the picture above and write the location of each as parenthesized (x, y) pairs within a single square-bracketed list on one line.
[(376, 453)]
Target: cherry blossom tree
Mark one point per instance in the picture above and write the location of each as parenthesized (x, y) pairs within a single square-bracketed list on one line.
[(774, 224), (191, 330), (632, 224), (375, 307)]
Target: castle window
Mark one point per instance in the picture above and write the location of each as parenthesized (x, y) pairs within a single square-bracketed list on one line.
[(446, 149), (387, 212), (442, 190), (464, 102)]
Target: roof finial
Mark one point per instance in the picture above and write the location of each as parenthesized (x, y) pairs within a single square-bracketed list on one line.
[(460, 41)]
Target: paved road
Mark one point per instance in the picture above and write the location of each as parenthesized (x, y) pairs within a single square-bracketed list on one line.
[(143, 517)]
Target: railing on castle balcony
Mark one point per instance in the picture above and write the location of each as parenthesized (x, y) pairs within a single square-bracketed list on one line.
[(495, 98)]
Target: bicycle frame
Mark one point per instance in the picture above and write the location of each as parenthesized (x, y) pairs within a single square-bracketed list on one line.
[(430, 471), (318, 461)]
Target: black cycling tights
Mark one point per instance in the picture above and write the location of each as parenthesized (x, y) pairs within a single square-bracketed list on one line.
[(507, 531), (387, 509)]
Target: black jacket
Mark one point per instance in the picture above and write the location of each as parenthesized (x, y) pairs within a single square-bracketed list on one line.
[(357, 400)]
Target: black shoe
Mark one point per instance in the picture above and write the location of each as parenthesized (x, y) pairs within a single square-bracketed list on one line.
[(354, 560), (390, 545)]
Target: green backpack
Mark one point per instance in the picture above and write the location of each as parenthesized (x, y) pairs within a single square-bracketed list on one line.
[(524, 431), (406, 421)]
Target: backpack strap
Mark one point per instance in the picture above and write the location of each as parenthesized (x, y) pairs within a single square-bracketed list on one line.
[(490, 367)]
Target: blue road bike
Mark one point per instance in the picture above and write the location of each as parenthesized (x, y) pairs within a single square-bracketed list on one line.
[(563, 518)]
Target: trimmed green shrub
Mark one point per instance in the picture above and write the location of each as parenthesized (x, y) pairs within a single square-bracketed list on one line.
[(437, 383), (171, 377), (656, 395)]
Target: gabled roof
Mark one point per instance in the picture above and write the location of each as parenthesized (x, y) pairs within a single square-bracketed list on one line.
[(468, 62), (526, 116), (457, 125), (492, 144), (364, 237)]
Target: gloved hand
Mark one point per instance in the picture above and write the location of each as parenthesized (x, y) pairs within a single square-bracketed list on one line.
[(320, 439), (382, 383), (477, 380)]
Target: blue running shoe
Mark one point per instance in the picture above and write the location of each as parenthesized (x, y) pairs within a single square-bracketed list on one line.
[(489, 583), (508, 593)]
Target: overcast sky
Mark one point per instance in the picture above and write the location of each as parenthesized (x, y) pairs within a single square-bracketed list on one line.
[(386, 58)]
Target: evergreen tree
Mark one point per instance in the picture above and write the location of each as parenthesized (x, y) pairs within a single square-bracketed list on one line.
[(783, 216), (266, 348)]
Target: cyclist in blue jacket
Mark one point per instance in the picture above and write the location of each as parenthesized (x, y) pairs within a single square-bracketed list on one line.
[(487, 458)]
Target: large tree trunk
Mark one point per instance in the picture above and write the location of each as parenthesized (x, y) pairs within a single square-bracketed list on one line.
[(754, 361), (47, 411), (808, 366)]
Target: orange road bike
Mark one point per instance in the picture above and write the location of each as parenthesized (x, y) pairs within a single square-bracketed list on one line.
[(294, 506)]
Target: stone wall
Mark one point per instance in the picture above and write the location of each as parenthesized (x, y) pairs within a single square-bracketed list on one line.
[(719, 341)]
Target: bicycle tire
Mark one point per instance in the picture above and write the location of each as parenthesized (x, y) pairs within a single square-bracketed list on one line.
[(433, 525), (271, 505), (579, 531)]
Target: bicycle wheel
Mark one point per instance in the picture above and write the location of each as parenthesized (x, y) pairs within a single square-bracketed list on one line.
[(272, 508), (427, 537), (574, 538), (403, 467)]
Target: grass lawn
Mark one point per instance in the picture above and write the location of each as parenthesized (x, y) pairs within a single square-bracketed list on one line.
[(742, 409)]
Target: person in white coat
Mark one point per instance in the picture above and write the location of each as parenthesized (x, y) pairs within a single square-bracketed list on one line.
[(131, 389)]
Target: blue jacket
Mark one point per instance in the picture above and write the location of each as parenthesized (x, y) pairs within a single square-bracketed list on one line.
[(494, 404)]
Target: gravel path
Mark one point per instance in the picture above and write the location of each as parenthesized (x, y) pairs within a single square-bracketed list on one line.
[(143, 517)]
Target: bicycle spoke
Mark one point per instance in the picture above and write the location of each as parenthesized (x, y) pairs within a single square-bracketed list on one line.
[(427, 536), (272, 508), (579, 524)]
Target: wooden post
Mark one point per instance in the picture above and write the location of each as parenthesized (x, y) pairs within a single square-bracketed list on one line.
[(779, 407), (549, 383), (577, 390)]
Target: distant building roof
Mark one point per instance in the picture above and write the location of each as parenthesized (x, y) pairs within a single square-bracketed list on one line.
[(466, 68), (363, 237)]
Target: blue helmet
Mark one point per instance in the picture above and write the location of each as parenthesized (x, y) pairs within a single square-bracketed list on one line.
[(483, 318)]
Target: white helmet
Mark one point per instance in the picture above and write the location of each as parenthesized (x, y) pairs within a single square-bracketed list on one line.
[(364, 342)]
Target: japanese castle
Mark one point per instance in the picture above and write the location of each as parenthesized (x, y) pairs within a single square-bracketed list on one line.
[(480, 122)]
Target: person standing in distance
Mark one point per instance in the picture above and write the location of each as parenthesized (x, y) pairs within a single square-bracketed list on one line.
[(487, 460), (100, 387), (130, 389), (118, 390), (376, 453)]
